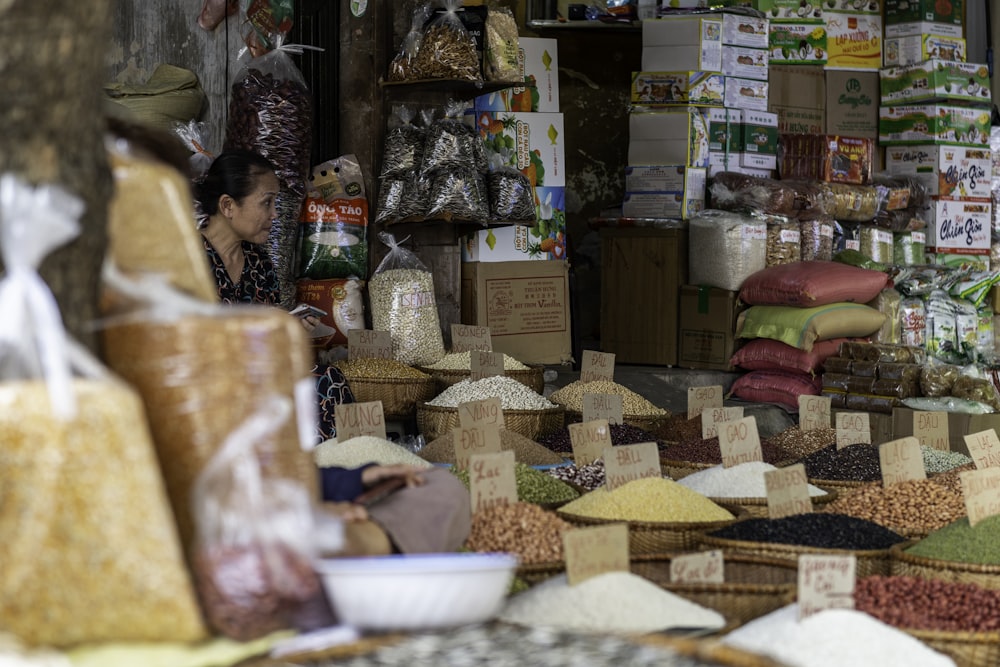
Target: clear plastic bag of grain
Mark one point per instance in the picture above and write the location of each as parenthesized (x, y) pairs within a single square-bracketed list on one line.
[(732, 191), (452, 144), (455, 195), (784, 240), (403, 148), (447, 50), (90, 547), (401, 291), (816, 235), (909, 248), (500, 51), (875, 243), (511, 197), (404, 65), (738, 244), (888, 302), (253, 552), (854, 203)]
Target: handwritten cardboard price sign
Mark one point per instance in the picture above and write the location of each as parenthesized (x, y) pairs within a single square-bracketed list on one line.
[(593, 551), (491, 480), (485, 364), (603, 406), (787, 491), (469, 338), (814, 412), (703, 398), (711, 418), (931, 429), (984, 448), (982, 493), (477, 413), (596, 366), (739, 442), (355, 419), (473, 440), (368, 344), (901, 460), (826, 582), (703, 567), (589, 440), (852, 428), (626, 463)]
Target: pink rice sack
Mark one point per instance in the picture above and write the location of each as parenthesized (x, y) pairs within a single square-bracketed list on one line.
[(781, 387), (764, 354), (812, 283)]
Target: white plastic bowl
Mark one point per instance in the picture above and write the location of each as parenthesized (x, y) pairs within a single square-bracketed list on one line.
[(417, 591)]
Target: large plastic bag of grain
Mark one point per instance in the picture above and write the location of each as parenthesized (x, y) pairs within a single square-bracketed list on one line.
[(725, 248), (201, 369), (90, 549)]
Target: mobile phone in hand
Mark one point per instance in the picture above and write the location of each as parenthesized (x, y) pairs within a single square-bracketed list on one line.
[(305, 310)]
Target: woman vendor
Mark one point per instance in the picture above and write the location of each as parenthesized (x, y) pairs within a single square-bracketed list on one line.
[(236, 202)]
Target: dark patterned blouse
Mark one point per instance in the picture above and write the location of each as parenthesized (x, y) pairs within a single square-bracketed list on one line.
[(258, 282)]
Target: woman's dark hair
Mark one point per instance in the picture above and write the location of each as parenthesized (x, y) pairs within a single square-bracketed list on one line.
[(232, 173)]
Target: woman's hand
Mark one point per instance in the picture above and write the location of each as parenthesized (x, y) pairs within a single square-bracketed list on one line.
[(374, 474), (347, 512), (309, 322)]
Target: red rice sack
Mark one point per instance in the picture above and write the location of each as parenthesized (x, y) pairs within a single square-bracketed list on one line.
[(781, 387), (813, 283), (764, 354)]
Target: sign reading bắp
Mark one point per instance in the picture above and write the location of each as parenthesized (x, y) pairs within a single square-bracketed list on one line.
[(984, 448), (470, 338), (485, 364), (931, 429), (473, 440), (740, 442), (627, 463), (826, 582), (589, 440), (593, 551), (814, 412), (853, 428), (901, 460), (357, 419), (478, 413), (703, 398), (711, 418), (981, 489), (787, 491), (703, 567), (596, 366), (491, 480), (603, 406), (368, 344)]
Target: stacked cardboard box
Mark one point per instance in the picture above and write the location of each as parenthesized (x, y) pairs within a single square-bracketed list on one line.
[(527, 119), (935, 123)]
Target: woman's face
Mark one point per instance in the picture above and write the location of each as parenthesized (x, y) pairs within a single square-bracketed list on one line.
[(252, 216)]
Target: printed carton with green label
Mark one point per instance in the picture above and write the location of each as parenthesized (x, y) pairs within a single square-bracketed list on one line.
[(934, 124), (936, 80)]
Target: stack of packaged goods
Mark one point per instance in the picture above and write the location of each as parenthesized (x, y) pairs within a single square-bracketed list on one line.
[(935, 123), (523, 125), (699, 106)]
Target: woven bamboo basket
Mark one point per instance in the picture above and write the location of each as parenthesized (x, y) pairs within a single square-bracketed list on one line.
[(434, 421), (648, 537), (709, 651), (536, 573), (869, 561), (645, 422), (838, 483), (754, 585), (675, 469), (904, 564), (967, 649), (399, 396), (533, 377), (757, 507)]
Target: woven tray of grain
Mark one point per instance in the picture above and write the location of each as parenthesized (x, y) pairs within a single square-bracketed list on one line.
[(645, 537), (754, 585), (869, 561), (532, 377), (434, 421), (757, 507), (837, 483), (967, 649), (646, 422), (399, 396), (902, 563)]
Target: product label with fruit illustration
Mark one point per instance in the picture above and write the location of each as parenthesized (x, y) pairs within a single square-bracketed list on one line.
[(854, 41), (936, 80), (798, 43)]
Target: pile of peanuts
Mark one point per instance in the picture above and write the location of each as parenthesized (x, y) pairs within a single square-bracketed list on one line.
[(527, 530), (911, 508)]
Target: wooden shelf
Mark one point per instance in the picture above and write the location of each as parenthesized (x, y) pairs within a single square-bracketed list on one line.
[(609, 26), (450, 85)]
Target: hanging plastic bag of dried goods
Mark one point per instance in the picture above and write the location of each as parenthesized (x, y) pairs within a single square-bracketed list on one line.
[(267, 22), (500, 50), (192, 135), (334, 222), (401, 291), (271, 113), (403, 149), (253, 552), (402, 199), (511, 196), (403, 66), (457, 195), (447, 50), (450, 143), (90, 548)]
